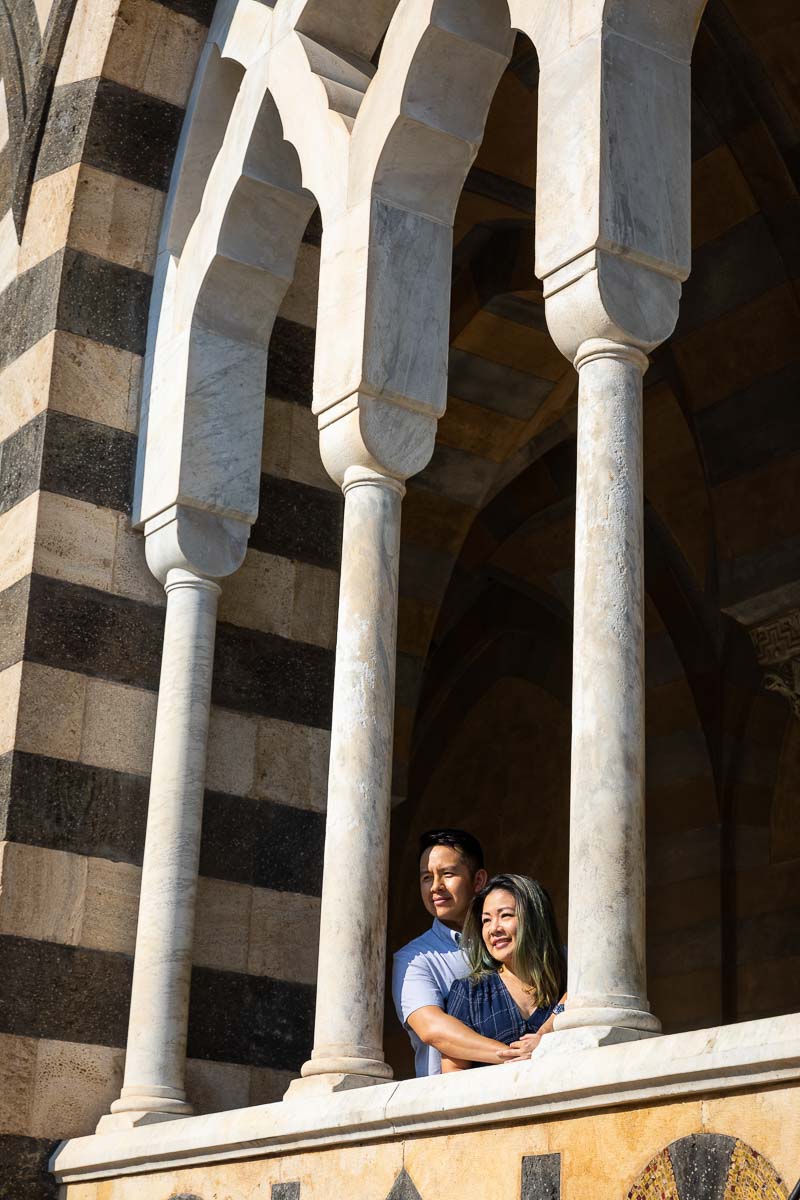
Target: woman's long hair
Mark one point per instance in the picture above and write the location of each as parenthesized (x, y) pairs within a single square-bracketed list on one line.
[(539, 955)]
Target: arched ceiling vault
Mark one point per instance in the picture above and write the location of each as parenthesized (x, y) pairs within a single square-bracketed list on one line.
[(721, 421)]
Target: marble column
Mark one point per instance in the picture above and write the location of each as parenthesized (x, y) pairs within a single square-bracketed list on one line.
[(607, 981), (348, 1031), (153, 1087)]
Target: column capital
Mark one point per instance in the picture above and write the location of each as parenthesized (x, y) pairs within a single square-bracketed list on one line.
[(371, 439), (189, 543), (605, 298)]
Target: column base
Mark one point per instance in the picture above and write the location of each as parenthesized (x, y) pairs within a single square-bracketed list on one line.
[(590, 1037), (329, 1083), (145, 1106), (117, 1122), (326, 1075), (592, 1016)]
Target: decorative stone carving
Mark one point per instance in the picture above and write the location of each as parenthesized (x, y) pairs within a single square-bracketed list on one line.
[(777, 646)]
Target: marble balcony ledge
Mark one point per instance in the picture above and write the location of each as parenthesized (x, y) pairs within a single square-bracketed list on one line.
[(744, 1056)]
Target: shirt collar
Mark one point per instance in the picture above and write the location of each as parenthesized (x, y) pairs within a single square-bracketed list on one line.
[(451, 936)]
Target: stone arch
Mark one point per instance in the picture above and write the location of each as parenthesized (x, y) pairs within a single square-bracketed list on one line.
[(216, 305), (216, 87), (352, 27), (423, 118), (703, 1166)]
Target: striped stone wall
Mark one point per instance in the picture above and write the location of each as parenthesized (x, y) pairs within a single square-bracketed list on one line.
[(487, 545), (82, 618)]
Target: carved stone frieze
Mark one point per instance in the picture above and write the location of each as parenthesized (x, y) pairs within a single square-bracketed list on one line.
[(777, 645)]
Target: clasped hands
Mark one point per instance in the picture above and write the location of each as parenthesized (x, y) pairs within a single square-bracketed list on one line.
[(520, 1050)]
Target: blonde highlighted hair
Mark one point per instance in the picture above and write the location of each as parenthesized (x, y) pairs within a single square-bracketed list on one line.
[(539, 955)]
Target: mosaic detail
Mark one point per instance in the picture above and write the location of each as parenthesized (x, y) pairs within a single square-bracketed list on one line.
[(657, 1180), (708, 1166), (752, 1176)]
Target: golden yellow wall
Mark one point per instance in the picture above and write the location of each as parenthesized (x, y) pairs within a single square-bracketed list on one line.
[(602, 1155)]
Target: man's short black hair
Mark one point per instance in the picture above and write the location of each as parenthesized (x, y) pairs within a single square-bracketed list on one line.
[(468, 846)]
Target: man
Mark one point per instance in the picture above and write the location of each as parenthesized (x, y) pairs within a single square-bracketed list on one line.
[(451, 872)]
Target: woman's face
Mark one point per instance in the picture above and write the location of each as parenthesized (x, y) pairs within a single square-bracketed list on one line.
[(499, 925)]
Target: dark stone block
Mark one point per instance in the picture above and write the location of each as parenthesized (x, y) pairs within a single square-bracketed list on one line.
[(13, 622), (404, 1188), (21, 462), (199, 10), (78, 293), (102, 813), (541, 1177), (700, 1164), (73, 807), (262, 843), (227, 848), (752, 427), (267, 674), (29, 64), (86, 630), (67, 124), (285, 1191), (729, 271), (112, 637), (132, 134), (66, 993), (23, 1168), (249, 1019), (104, 301), (28, 307), (298, 521), (288, 845), (290, 364), (88, 461)]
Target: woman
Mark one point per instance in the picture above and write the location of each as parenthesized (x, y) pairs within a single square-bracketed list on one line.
[(518, 974)]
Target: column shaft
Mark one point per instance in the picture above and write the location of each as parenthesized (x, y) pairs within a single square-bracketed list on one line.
[(348, 1035), (156, 1054), (607, 983)]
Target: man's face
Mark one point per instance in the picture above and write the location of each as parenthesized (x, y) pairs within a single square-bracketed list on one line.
[(447, 885)]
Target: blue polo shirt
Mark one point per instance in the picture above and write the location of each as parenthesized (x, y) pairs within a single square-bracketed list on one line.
[(423, 973)]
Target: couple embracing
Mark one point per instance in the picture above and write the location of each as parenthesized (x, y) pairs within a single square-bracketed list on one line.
[(485, 982)]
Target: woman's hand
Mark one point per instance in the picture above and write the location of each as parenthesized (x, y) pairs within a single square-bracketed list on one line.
[(526, 1045)]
